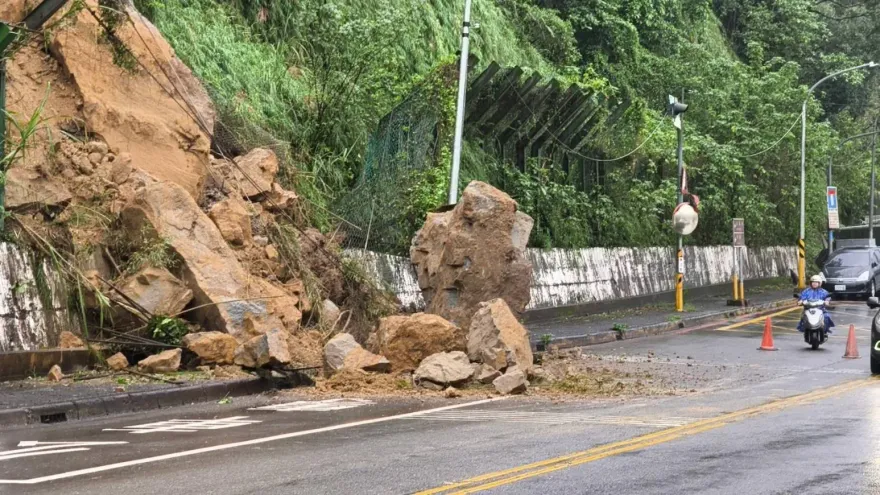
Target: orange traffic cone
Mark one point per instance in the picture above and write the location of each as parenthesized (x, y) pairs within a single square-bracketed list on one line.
[(852, 350), (767, 342)]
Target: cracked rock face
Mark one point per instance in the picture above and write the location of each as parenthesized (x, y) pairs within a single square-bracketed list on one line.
[(236, 303), (474, 253)]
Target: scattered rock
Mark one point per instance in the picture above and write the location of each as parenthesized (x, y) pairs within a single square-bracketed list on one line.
[(451, 393), (512, 382), (55, 374), (228, 293), (117, 362), (256, 172), (278, 199), (261, 241), (164, 362), (362, 359), (473, 253), (98, 147), (157, 291), (212, 347), (445, 368), (406, 340), (486, 374), (329, 312), (495, 327), (67, 340), (95, 158), (231, 371), (271, 253), (269, 348), (121, 169), (27, 192), (336, 350), (232, 218)]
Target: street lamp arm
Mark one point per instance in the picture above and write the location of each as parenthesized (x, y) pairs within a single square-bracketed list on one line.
[(829, 76), (857, 136)]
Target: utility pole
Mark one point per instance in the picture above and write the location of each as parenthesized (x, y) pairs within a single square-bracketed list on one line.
[(873, 184), (459, 109), (676, 109)]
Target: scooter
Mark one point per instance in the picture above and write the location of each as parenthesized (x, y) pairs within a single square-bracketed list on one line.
[(813, 318)]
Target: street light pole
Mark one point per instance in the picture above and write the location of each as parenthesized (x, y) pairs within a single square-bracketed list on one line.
[(459, 109), (802, 254), (873, 184)]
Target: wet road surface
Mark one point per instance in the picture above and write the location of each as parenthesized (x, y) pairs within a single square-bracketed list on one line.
[(791, 421)]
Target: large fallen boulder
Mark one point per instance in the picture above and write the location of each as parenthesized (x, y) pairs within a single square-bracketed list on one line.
[(231, 300), (495, 332), (157, 291), (444, 368), (269, 348), (212, 347), (406, 340), (162, 116), (164, 362), (343, 352), (473, 253)]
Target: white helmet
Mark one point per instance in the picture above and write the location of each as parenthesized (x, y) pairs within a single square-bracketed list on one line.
[(816, 278)]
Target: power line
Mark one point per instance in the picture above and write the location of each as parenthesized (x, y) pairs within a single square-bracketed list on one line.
[(784, 135)]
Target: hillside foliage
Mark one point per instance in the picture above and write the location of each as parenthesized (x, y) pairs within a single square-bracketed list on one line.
[(319, 75)]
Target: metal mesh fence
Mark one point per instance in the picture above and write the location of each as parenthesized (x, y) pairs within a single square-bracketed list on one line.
[(377, 211)]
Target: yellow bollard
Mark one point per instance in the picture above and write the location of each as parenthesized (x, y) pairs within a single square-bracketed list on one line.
[(735, 288), (802, 264), (742, 292)]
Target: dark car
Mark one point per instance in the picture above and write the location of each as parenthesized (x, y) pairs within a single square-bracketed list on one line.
[(874, 303), (853, 271)]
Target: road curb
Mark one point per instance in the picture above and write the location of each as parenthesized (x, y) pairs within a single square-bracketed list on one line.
[(606, 336), (131, 402)]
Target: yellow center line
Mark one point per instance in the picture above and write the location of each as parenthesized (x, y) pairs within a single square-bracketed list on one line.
[(759, 319), (512, 475)]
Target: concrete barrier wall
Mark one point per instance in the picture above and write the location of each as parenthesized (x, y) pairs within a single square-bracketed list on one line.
[(562, 277), (33, 302)]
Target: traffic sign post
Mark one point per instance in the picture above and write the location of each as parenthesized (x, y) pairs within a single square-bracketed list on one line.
[(739, 243), (833, 215)]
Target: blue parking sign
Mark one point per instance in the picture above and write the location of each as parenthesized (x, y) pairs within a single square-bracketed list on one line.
[(832, 198)]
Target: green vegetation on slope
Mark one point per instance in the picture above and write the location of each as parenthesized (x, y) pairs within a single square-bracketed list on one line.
[(318, 75)]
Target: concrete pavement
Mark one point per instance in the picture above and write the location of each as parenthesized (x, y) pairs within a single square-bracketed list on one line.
[(792, 421)]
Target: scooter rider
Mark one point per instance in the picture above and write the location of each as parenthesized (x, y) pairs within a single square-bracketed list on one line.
[(815, 292)]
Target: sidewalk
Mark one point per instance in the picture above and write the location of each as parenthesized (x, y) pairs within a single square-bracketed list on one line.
[(652, 319), (38, 401)]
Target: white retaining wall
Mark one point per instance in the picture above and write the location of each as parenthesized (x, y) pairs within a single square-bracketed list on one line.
[(27, 320), (563, 277)]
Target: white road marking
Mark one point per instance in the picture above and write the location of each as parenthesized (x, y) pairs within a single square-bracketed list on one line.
[(35, 448), (551, 418), (187, 425), (245, 443), (310, 405)]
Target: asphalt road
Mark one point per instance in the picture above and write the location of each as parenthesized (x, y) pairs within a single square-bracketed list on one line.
[(792, 421)]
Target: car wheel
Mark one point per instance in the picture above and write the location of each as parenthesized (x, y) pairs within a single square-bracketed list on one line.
[(875, 361)]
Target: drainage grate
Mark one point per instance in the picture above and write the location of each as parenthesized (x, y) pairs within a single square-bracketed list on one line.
[(53, 418)]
